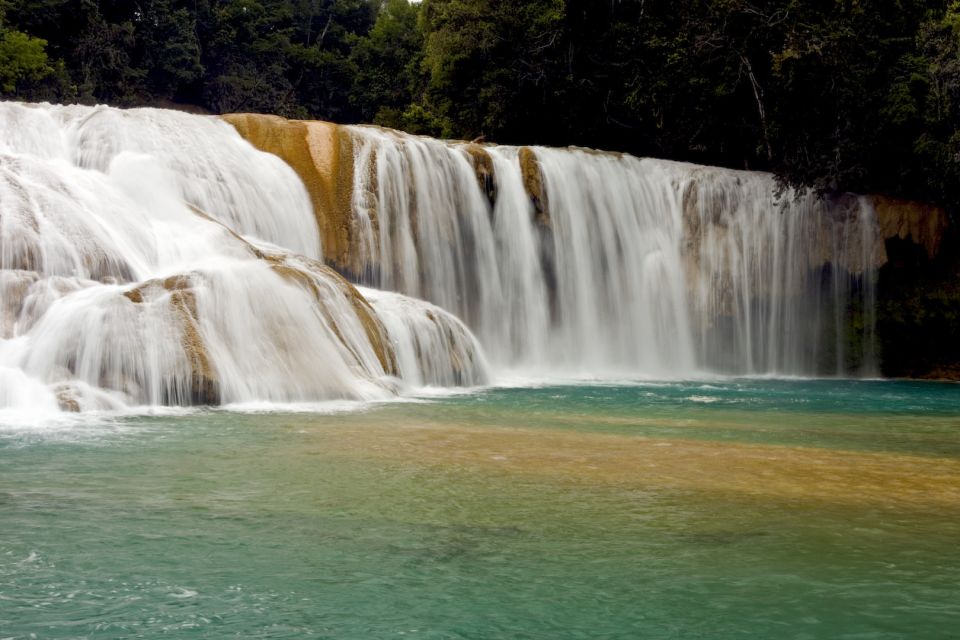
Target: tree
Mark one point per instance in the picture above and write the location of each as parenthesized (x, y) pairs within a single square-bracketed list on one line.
[(22, 58), (834, 73), (490, 64), (25, 68), (168, 48), (104, 51), (387, 61), (938, 142)]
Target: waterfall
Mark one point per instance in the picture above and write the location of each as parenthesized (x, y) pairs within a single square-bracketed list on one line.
[(588, 263), (427, 340), (150, 257)]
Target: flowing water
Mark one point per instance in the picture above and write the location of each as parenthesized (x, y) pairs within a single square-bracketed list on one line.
[(150, 257), (632, 265), (728, 509)]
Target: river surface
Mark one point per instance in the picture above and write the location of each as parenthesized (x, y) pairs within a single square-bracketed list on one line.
[(709, 509)]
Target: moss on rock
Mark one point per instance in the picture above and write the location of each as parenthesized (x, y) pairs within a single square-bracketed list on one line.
[(483, 167), (533, 184)]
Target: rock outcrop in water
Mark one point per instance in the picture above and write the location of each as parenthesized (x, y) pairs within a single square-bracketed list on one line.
[(483, 166), (533, 185), (177, 293)]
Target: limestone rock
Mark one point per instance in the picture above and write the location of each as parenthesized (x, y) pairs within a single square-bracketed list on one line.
[(321, 153), (204, 382), (308, 274), (483, 167), (533, 183), (924, 224), (433, 346), (67, 398), (14, 286)]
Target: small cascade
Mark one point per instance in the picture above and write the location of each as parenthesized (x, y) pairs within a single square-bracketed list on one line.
[(574, 261), (427, 340), (229, 181), (153, 258)]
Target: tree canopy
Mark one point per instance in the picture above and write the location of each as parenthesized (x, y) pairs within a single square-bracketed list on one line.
[(857, 95)]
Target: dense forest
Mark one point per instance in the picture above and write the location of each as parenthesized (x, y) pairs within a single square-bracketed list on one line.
[(859, 95)]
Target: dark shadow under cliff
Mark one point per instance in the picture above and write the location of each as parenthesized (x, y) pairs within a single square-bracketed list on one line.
[(918, 310)]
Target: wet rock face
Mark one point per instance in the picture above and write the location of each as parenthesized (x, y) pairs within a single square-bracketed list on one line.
[(924, 224), (14, 287), (918, 303), (706, 209), (741, 242), (483, 167), (177, 292), (321, 153), (533, 183), (40, 231), (312, 276), (432, 346)]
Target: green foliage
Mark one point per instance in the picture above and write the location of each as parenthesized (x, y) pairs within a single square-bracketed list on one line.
[(387, 62), (22, 58), (937, 136), (25, 67), (490, 64), (168, 47), (103, 52), (918, 311)]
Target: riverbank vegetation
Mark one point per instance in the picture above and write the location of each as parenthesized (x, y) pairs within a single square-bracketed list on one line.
[(834, 94)]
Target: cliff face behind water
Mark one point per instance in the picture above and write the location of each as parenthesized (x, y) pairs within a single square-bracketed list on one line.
[(566, 244)]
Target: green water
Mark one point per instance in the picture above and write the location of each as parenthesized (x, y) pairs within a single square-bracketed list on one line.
[(640, 511)]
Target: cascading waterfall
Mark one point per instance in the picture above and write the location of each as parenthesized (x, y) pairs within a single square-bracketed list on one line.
[(597, 263), (428, 339), (230, 182), (151, 257), (773, 280)]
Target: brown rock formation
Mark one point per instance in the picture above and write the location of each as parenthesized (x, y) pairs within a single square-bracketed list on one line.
[(533, 183), (14, 286), (483, 167), (204, 383), (304, 272), (322, 155), (306, 276), (924, 224), (67, 398)]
